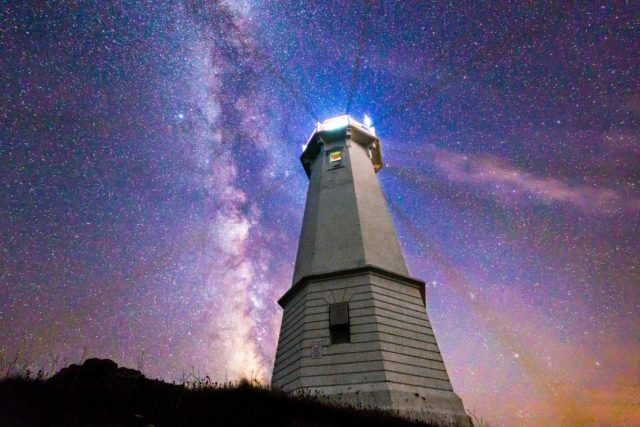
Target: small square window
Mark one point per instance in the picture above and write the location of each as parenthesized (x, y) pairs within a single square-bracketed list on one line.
[(335, 157)]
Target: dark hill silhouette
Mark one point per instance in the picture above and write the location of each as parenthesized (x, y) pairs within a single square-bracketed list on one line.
[(99, 393)]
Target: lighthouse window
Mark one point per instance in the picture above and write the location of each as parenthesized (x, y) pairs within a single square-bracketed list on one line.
[(339, 323), (335, 158)]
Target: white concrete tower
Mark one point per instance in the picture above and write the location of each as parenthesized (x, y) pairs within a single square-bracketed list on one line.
[(355, 326)]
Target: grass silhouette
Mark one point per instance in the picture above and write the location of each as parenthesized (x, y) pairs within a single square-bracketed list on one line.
[(99, 393)]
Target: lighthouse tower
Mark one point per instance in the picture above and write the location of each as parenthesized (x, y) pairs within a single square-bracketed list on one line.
[(355, 327)]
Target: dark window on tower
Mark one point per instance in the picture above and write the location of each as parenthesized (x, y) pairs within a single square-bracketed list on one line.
[(339, 323)]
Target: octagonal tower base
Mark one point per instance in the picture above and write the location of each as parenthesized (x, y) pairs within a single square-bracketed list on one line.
[(391, 362)]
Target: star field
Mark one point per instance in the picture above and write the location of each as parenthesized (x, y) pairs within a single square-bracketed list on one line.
[(151, 195)]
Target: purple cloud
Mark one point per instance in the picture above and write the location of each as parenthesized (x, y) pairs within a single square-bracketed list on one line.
[(506, 182)]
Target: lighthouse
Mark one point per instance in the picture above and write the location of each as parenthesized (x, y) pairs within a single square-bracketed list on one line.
[(355, 327)]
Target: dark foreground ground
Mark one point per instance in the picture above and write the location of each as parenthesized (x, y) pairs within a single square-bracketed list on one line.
[(98, 393)]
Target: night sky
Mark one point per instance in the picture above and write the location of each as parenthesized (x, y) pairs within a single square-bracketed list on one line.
[(152, 196)]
